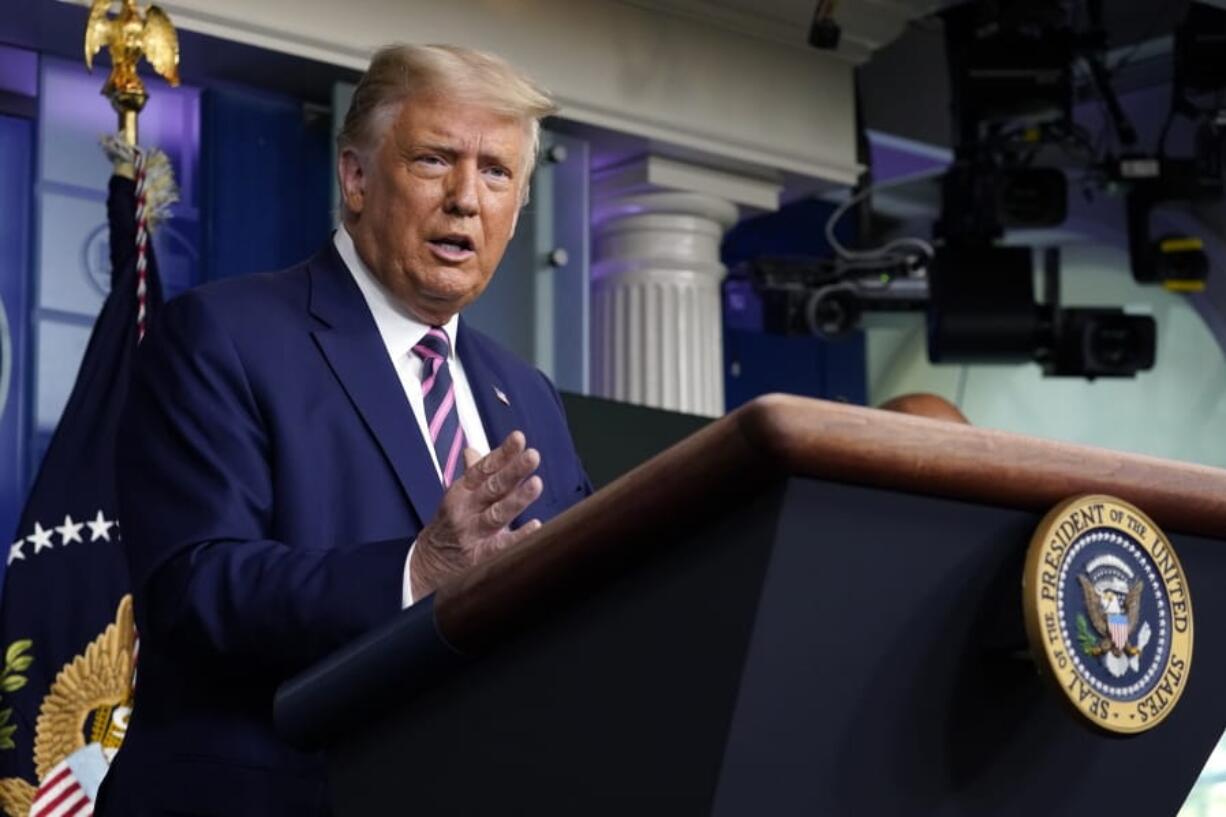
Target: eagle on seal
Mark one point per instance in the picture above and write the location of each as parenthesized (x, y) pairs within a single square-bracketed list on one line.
[(1114, 616)]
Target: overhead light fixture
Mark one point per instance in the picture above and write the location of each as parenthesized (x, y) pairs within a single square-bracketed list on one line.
[(824, 32)]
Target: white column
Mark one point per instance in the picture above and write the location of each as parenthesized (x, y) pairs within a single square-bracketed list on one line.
[(657, 334), (657, 337), (657, 322)]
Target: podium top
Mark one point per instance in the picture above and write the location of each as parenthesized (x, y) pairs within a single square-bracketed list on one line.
[(781, 435)]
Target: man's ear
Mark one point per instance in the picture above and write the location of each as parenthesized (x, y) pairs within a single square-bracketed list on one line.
[(352, 178)]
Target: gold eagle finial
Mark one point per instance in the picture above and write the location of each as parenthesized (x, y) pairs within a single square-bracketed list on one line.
[(130, 35)]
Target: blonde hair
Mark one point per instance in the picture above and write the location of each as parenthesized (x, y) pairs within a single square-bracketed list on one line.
[(398, 72)]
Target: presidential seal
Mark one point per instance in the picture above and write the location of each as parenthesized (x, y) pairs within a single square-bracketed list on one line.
[(1108, 613)]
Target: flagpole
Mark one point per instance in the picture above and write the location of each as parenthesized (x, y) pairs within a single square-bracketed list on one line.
[(129, 106)]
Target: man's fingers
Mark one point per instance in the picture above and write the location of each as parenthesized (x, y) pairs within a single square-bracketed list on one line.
[(507, 539), (471, 458), (492, 462), (498, 515), (512, 445), (530, 527), (511, 474)]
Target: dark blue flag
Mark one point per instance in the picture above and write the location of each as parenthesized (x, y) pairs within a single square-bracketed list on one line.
[(66, 632)]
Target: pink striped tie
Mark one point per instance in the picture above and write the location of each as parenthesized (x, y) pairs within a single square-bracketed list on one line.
[(438, 393)]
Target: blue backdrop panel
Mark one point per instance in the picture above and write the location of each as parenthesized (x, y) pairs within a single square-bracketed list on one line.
[(16, 159), (756, 363), (267, 171)]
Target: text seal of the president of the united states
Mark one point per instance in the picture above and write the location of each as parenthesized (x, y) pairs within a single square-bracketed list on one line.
[(1108, 612)]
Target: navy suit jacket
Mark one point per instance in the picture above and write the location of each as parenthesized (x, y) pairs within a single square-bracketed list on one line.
[(271, 479)]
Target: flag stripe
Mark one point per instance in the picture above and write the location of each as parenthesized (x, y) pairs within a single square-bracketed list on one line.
[(58, 781), (73, 800), (57, 773), (63, 787)]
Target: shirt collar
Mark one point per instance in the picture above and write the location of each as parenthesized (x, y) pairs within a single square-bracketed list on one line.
[(397, 326)]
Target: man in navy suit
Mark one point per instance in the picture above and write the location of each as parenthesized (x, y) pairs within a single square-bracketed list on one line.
[(308, 451)]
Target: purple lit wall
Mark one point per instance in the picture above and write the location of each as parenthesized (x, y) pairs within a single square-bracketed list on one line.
[(18, 71)]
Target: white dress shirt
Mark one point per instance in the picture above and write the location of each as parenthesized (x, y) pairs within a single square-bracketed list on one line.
[(400, 332)]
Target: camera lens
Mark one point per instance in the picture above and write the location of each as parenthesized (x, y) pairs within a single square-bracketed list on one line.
[(1112, 344)]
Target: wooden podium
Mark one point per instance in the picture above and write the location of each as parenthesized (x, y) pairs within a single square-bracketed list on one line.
[(803, 609)]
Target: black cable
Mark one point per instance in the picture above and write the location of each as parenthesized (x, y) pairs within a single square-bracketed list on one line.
[(1160, 150), (1123, 127)]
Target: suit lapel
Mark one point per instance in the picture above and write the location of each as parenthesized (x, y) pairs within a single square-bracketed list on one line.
[(498, 418), (350, 342)]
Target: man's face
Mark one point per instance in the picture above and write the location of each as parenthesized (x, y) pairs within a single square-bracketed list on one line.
[(435, 203)]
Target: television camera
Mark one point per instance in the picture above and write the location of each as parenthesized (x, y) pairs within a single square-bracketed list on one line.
[(1014, 66)]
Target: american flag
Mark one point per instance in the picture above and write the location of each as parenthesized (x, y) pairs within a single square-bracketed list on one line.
[(61, 795), (1117, 623), (62, 583)]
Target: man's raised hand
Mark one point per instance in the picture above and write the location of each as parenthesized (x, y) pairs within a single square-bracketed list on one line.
[(472, 520)]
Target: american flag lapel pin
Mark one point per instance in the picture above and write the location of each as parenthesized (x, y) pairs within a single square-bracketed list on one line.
[(502, 396)]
